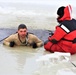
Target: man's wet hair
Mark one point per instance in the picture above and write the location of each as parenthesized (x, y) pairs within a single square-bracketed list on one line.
[(22, 26)]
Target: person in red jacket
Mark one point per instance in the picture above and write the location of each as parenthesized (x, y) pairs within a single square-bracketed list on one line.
[(64, 37)]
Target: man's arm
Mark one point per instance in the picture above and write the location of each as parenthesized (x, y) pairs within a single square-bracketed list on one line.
[(58, 35), (37, 42), (9, 41)]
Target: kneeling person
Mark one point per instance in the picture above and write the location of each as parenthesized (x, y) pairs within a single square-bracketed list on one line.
[(22, 37)]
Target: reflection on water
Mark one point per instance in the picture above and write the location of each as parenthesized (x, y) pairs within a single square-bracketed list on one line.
[(22, 61), (18, 60)]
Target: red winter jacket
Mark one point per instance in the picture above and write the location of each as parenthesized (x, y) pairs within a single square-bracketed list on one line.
[(64, 38)]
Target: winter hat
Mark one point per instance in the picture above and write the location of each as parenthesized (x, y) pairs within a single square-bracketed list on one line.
[(60, 11), (64, 13)]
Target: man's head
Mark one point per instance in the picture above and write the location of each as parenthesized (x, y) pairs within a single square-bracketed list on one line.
[(22, 30), (60, 11), (64, 13), (22, 26)]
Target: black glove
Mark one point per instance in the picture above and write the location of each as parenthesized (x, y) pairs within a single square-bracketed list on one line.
[(54, 41), (34, 45), (51, 33), (12, 43)]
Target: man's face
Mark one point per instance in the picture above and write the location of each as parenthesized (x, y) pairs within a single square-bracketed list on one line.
[(22, 32)]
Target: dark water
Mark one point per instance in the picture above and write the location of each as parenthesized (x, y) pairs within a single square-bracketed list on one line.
[(42, 34)]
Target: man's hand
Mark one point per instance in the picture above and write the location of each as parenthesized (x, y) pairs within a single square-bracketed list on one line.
[(34, 45), (12, 43)]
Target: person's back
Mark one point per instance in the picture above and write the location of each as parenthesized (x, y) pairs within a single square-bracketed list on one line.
[(68, 42), (64, 38)]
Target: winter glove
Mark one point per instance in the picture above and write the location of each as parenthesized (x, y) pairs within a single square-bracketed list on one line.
[(12, 43), (50, 34), (54, 41), (34, 45)]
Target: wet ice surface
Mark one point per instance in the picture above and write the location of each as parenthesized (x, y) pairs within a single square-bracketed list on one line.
[(21, 60)]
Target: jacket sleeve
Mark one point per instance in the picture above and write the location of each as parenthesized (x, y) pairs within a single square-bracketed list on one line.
[(58, 34), (8, 40), (37, 41)]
